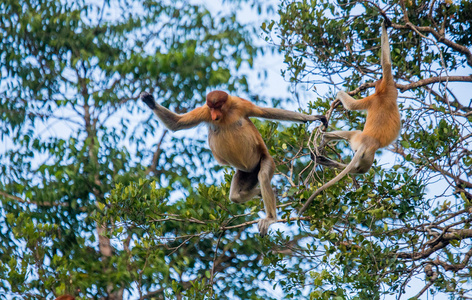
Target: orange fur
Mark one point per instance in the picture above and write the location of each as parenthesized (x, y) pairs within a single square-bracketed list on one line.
[(381, 128)]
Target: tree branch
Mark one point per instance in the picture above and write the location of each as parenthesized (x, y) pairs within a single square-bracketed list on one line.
[(6, 195), (431, 80), (455, 267), (156, 155), (427, 286), (255, 221), (459, 181), (420, 83), (439, 37), (443, 242)]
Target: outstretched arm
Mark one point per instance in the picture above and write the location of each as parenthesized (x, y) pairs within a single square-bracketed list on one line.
[(172, 120), (282, 114)]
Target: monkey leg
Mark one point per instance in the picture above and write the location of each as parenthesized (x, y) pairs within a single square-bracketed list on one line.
[(267, 168), (349, 136), (243, 186), (360, 167), (355, 139), (339, 135)]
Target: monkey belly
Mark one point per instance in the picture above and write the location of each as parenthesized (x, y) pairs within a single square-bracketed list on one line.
[(240, 149)]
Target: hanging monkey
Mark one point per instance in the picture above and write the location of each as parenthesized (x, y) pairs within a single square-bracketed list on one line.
[(381, 128), (235, 141)]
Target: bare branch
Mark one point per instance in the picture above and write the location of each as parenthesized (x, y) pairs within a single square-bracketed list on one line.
[(432, 80), (419, 83), (459, 181), (189, 220), (443, 242), (255, 221), (6, 195), (362, 87), (455, 267), (157, 154)]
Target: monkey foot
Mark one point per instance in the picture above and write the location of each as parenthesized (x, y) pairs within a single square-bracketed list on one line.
[(320, 159), (324, 120), (148, 99), (264, 225)]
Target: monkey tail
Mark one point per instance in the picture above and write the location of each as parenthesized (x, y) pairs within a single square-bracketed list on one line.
[(347, 169)]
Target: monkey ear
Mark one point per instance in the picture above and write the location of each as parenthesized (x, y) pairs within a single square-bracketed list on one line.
[(148, 99)]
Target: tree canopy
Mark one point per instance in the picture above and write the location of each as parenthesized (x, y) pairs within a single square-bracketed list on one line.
[(100, 201)]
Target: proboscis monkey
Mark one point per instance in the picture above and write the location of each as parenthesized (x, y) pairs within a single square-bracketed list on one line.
[(235, 141), (381, 128)]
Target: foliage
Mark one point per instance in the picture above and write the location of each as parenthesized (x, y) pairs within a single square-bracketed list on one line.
[(372, 235), (99, 201), (72, 131)]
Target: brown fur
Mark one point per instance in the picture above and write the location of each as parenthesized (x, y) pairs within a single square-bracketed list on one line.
[(235, 141), (381, 128), (216, 99)]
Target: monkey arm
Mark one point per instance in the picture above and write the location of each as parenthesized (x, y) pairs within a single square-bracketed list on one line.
[(284, 115), (266, 172), (172, 120), (385, 59), (350, 103)]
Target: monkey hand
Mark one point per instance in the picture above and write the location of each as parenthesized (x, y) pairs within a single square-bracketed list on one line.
[(148, 99), (321, 118), (264, 225)]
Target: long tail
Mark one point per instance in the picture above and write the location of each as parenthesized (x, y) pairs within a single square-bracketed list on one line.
[(349, 167)]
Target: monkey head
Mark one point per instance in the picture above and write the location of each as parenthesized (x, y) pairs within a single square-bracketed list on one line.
[(215, 101)]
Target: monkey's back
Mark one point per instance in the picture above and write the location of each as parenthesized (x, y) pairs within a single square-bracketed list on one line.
[(383, 119)]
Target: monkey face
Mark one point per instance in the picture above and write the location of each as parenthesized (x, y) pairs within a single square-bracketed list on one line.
[(215, 101), (216, 114)]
